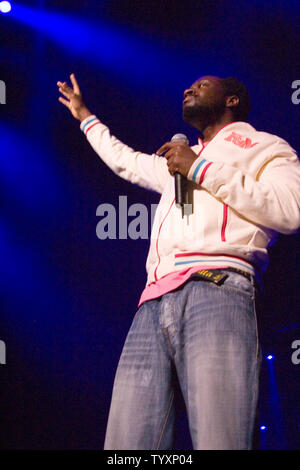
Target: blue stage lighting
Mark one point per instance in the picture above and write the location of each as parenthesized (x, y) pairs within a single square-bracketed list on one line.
[(126, 54), (5, 7), (270, 357), (263, 428)]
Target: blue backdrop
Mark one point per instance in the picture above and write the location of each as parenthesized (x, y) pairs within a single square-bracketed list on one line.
[(68, 298)]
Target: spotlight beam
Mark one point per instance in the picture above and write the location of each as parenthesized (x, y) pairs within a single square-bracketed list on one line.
[(106, 45)]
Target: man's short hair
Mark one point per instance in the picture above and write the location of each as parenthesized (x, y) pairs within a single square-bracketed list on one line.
[(231, 87)]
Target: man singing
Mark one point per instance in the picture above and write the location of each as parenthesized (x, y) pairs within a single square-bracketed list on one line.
[(197, 315)]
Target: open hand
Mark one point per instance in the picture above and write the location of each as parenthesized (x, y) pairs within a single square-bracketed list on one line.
[(74, 101)]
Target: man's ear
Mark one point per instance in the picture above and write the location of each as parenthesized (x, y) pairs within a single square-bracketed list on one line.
[(232, 101)]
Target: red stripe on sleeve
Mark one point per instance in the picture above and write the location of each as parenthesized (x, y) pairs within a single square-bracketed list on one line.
[(95, 124), (203, 172)]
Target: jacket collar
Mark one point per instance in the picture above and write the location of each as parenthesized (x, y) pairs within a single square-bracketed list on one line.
[(240, 125)]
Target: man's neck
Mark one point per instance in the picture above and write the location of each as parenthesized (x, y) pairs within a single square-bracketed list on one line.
[(212, 129)]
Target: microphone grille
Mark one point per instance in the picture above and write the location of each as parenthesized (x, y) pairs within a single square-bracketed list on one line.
[(180, 138)]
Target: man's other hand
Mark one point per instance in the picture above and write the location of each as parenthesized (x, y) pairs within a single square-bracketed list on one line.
[(74, 101), (179, 155)]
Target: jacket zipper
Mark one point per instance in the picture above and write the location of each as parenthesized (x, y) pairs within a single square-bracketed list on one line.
[(225, 210), (155, 272)]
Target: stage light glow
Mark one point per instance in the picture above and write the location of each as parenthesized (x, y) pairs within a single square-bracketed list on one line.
[(270, 357), (128, 56), (5, 7), (263, 428)]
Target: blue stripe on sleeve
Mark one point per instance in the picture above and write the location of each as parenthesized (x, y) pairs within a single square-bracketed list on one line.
[(89, 122), (197, 169)]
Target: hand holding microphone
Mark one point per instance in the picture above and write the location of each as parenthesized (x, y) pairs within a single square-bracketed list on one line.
[(180, 158)]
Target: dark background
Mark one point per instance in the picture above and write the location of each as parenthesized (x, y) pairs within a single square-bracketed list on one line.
[(68, 298)]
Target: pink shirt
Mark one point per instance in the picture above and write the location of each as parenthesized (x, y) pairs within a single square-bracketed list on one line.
[(170, 282)]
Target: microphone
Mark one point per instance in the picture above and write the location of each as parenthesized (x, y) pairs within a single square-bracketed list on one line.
[(179, 180)]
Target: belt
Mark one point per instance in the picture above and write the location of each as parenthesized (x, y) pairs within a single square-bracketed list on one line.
[(239, 271), (218, 275)]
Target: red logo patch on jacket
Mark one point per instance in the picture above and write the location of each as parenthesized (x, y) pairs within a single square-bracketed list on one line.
[(238, 139)]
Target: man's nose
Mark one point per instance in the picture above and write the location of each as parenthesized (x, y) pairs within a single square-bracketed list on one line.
[(188, 92)]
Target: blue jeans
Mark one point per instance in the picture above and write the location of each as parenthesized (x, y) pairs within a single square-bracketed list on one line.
[(209, 334)]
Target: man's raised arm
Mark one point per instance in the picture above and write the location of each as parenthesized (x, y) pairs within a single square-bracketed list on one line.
[(148, 171)]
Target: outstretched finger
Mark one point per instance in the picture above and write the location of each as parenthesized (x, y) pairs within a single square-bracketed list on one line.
[(164, 148), (75, 84), (66, 91), (65, 102)]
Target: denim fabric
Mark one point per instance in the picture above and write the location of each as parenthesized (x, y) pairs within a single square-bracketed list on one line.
[(209, 334)]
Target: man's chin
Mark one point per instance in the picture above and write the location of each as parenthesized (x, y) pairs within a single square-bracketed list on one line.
[(201, 116), (190, 115)]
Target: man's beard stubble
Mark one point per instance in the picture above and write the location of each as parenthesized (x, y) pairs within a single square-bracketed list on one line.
[(200, 116)]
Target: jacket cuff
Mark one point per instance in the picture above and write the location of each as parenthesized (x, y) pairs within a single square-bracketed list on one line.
[(88, 123), (198, 170)]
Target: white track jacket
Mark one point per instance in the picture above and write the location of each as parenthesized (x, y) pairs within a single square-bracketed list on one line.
[(244, 188)]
